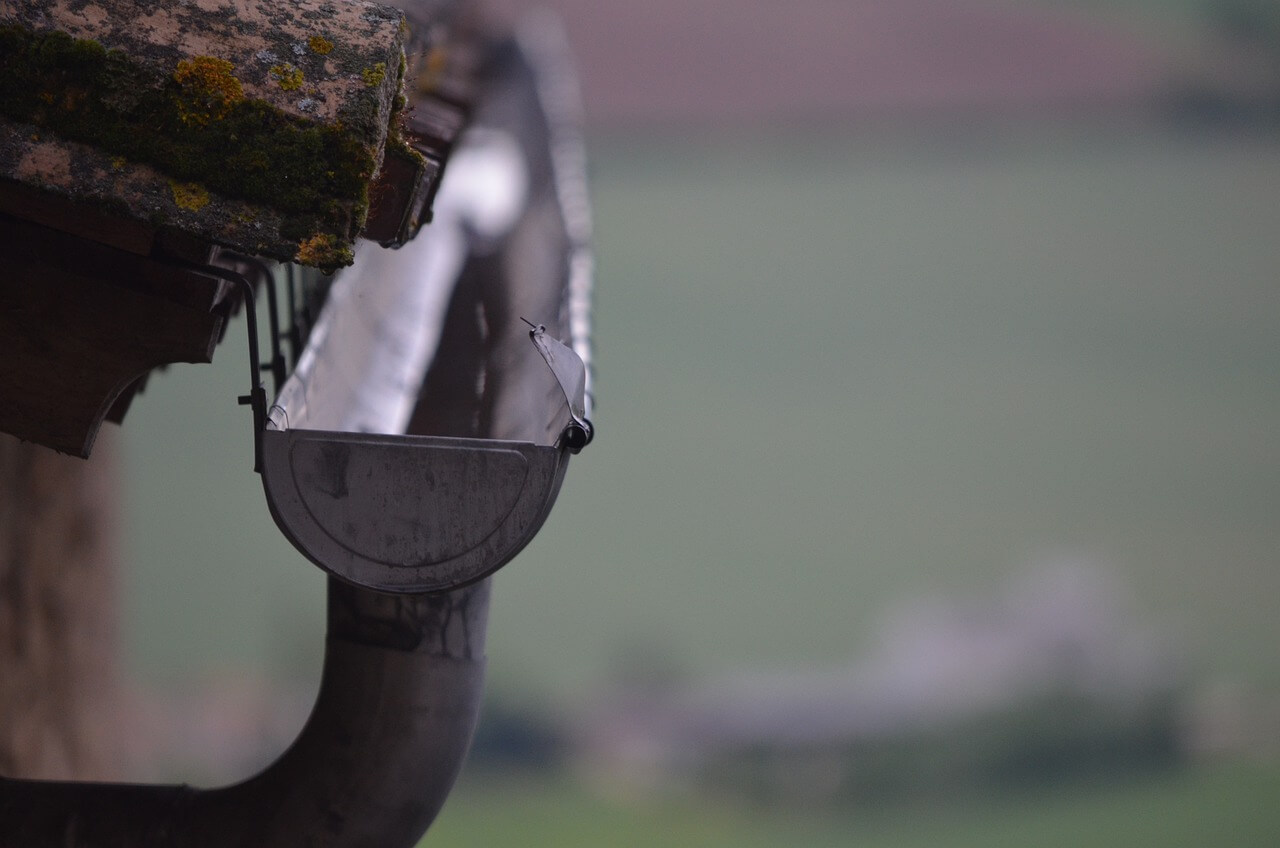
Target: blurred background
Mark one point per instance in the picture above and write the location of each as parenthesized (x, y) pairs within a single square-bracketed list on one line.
[(935, 494)]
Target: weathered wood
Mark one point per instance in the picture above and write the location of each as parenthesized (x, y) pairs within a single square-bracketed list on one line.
[(255, 124), (98, 319)]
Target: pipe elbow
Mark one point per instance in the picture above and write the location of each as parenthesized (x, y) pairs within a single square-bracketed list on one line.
[(398, 702)]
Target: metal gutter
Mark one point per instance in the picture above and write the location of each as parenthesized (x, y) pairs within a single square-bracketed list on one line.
[(403, 672)]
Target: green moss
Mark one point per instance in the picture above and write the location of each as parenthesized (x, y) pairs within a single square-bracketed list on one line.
[(195, 125), (396, 145)]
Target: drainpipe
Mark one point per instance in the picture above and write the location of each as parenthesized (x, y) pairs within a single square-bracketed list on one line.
[(398, 701), (403, 673)]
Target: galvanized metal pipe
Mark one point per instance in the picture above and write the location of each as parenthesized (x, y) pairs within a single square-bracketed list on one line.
[(403, 674), (399, 695)]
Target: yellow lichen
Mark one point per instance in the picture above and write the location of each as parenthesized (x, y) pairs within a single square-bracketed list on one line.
[(190, 196), (289, 76), (320, 44), (118, 163), (323, 251), (209, 88), (374, 76)]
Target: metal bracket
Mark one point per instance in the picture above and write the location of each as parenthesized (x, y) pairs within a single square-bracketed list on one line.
[(571, 374)]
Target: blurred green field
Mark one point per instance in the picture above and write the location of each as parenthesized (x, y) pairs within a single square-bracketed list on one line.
[(834, 374), (1232, 805)]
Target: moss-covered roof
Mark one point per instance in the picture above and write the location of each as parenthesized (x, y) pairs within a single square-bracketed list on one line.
[(256, 124)]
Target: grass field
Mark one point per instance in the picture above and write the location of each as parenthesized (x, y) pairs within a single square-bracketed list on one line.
[(833, 375), (836, 373), (1232, 805)]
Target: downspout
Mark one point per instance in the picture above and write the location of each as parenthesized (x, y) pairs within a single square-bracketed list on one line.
[(399, 697), (398, 701), (403, 673)]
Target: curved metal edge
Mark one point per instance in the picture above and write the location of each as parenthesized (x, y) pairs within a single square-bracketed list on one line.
[(545, 45), (401, 688), (399, 698), (501, 543)]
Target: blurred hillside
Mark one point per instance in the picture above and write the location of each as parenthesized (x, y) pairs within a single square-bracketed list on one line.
[(757, 62), (840, 372), (1052, 681)]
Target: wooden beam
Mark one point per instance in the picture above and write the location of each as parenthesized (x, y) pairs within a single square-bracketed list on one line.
[(95, 320)]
